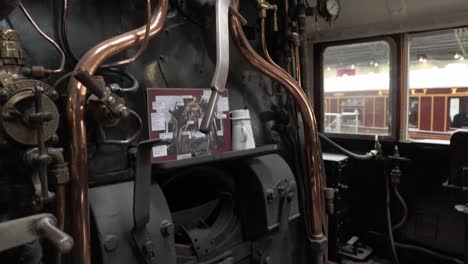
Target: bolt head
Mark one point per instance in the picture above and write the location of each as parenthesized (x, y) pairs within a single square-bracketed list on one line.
[(111, 243), (111, 99), (166, 228)]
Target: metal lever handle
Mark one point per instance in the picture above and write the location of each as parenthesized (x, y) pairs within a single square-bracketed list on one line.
[(46, 227), (83, 76), (222, 62)]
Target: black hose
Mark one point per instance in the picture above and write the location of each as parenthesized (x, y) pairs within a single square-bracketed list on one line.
[(404, 207), (389, 219), (353, 155), (421, 249), (63, 36), (121, 73)]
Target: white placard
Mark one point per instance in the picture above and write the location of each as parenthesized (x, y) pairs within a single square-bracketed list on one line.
[(159, 151), (184, 156), (197, 134), (206, 95), (223, 104), (159, 106), (158, 123), (221, 115), (166, 136)]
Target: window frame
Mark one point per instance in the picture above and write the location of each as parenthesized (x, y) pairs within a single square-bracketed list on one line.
[(393, 88)]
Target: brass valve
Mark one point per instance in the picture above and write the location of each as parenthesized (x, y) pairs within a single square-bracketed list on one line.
[(264, 7), (295, 38)]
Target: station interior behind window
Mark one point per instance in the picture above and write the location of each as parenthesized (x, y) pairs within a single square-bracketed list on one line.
[(438, 84), (357, 89)]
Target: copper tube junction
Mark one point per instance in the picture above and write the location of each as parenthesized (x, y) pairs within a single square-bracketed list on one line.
[(76, 109), (314, 159)]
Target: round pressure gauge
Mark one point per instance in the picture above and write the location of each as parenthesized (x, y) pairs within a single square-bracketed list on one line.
[(329, 9)]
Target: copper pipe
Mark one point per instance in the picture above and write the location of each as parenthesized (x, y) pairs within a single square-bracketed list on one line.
[(310, 125), (60, 214), (143, 46), (264, 44), (49, 39), (76, 109)]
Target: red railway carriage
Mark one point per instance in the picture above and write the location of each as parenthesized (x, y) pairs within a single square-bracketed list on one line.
[(431, 111)]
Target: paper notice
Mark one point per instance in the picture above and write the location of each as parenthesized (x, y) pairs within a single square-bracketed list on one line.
[(159, 151), (221, 115), (223, 104), (197, 134), (184, 156), (166, 136), (206, 95), (159, 106), (158, 122)]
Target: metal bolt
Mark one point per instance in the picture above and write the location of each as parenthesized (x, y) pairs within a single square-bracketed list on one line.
[(124, 111), (148, 250), (3, 95), (53, 94), (111, 100), (111, 243), (267, 260), (166, 228), (270, 195), (290, 197)]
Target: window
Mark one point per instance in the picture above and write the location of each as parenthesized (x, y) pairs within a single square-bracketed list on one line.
[(437, 84), (356, 89)]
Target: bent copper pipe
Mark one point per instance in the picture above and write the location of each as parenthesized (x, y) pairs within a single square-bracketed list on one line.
[(317, 212), (76, 109), (47, 38), (143, 46)]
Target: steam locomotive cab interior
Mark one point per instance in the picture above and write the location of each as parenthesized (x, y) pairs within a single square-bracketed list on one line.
[(233, 131)]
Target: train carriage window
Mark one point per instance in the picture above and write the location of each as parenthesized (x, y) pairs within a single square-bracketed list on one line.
[(357, 89), (438, 84)]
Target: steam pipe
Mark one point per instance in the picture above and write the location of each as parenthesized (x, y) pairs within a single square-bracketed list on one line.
[(76, 108), (304, 56), (49, 39), (310, 125)]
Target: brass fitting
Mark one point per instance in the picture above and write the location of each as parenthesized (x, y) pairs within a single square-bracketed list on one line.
[(264, 7), (60, 174), (295, 38)]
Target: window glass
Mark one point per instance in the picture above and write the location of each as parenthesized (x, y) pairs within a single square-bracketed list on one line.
[(438, 84), (356, 89)]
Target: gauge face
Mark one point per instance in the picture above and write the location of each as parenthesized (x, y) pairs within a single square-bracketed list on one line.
[(333, 8)]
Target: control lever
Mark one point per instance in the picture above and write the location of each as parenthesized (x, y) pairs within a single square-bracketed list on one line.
[(222, 62), (47, 227), (114, 103), (24, 230), (83, 76)]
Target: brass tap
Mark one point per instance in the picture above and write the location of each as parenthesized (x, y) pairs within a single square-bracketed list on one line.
[(295, 38), (264, 7)]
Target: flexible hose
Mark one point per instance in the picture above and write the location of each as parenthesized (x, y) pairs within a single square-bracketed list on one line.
[(389, 219), (353, 155), (404, 206), (428, 252), (421, 249)]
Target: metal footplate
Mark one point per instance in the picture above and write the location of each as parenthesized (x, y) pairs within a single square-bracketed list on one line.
[(222, 62)]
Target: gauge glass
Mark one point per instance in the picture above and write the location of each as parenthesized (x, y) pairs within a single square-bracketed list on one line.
[(333, 7)]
